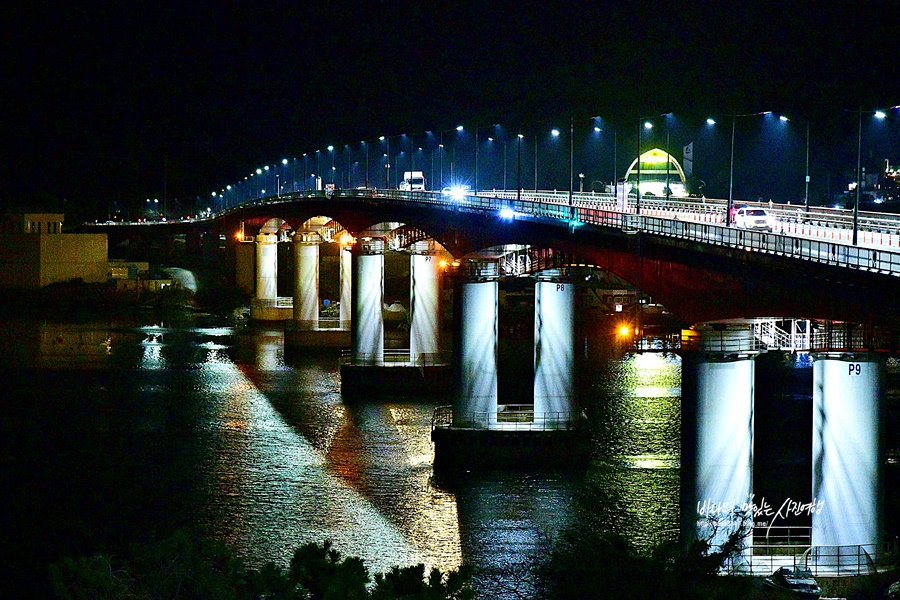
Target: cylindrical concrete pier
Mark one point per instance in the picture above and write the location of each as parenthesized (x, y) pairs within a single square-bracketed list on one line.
[(367, 333), (306, 283), (846, 490), (554, 349), (423, 282), (266, 266), (475, 404)]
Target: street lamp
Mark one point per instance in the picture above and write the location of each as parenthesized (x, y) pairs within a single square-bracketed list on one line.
[(318, 168), (859, 113), (519, 165), (305, 170), (363, 143), (806, 178), (387, 162), (491, 139), (734, 117), (331, 149)]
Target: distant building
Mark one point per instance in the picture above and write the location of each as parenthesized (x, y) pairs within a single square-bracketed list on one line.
[(658, 169), (34, 252)]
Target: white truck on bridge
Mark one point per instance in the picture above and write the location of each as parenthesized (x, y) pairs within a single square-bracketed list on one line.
[(413, 181)]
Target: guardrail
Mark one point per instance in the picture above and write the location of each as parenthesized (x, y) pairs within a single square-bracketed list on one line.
[(395, 358), (511, 419), (821, 561), (694, 221)]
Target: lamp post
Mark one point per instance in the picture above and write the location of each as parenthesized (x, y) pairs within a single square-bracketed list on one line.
[(519, 165), (347, 146), (730, 204), (318, 168), (476, 160), (806, 177), (859, 113), (571, 168), (305, 170), (331, 150), (491, 139), (367, 162)]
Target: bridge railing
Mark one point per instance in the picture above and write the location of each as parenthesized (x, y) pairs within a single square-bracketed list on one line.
[(826, 561), (395, 358), (825, 252), (515, 418)]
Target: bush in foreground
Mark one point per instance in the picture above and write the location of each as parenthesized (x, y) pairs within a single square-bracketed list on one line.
[(190, 566)]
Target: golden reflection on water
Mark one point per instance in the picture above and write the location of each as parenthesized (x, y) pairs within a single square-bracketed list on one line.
[(362, 481)]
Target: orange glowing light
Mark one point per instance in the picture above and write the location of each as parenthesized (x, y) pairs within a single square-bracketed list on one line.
[(624, 330)]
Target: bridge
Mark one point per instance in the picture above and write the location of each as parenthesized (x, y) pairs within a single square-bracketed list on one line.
[(730, 287)]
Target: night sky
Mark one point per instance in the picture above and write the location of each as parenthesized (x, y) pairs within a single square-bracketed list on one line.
[(112, 102)]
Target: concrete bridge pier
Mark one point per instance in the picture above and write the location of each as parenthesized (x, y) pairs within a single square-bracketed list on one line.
[(266, 266), (346, 270), (424, 279), (306, 283), (717, 392), (475, 401), (846, 494), (554, 349), (367, 329), (263, 307)]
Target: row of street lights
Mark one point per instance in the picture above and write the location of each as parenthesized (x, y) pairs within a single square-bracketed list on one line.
[(281, 180)]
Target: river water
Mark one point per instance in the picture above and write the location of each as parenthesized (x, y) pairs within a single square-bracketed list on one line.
[(113, 432)]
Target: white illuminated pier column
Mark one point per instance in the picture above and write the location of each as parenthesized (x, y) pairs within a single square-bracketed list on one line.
[(306, 283), (367, 329), (554, 348), (423, 294), (266, 266), (846, 450), (717, 393), (346, 286), (475, 403)]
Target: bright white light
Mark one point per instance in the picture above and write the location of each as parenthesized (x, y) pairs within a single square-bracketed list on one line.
[(782, 118), (456, 192), (507, 213), (710, 122), (555, 132), (648, 125), (459, 127), (284, 161), (597, 130), (330, 148), (880, 114), (259, 171)]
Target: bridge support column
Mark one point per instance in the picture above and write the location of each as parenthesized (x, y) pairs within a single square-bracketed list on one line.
[(554, 349), (475, 403), (346, 275), (424, 287), (306, 283), (266, 267), (846, 453), (367, 329), (717, 434)]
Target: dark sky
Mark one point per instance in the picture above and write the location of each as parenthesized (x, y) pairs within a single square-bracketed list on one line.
[(107, 101)]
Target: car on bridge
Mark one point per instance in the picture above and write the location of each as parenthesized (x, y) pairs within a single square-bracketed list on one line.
[(748, 217)]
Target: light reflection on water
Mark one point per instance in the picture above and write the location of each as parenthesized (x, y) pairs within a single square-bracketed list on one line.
[(276, 459)]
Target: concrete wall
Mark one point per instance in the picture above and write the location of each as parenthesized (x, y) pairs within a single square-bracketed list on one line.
[(31, 261)]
